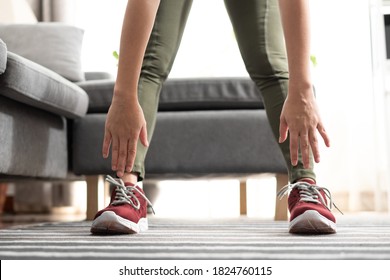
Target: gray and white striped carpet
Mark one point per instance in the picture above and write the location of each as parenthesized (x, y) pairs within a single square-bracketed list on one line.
[(240, 238)]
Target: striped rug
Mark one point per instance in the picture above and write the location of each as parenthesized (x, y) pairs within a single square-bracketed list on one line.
[(240, 238)]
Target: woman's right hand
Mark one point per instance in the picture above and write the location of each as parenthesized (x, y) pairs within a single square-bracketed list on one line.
[(125, 124)]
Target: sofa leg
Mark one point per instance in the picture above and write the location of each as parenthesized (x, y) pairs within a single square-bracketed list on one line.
[(3, 196), (97, 194), (281, 204), (243, 205)]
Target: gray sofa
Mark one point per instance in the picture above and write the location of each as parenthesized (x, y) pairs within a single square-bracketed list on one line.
[(35, 106), (52, 120)]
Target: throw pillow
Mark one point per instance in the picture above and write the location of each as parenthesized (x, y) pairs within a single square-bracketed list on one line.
[(55, 46), (3, 56)]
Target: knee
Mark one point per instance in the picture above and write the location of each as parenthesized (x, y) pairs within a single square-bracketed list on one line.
[(268, 66), (264, 82), (156, 67)]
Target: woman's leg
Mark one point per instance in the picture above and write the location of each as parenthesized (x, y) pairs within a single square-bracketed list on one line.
[(158, 60), (259, 34)]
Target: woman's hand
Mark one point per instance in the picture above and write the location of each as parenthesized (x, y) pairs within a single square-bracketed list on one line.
[(300, 118), (125, 124)]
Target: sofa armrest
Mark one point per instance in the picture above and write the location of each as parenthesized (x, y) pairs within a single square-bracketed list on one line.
[(37, 86)]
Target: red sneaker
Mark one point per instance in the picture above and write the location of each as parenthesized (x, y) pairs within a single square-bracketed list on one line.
[(309, 210), (126, 212)]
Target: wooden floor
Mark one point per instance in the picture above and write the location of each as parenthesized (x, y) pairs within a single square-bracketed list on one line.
[(8, 220)]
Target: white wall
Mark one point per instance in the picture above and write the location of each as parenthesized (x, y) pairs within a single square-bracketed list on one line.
[(102, 21), (208, 47), (350, 91)]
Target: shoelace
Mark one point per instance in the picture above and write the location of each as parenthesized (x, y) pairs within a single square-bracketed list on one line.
[(309, 193), (123, 194)]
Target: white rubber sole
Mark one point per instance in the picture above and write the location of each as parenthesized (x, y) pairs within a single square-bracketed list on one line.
[(312, 222), (110, 223)]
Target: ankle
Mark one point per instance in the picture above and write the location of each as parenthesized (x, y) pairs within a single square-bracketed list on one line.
[(130, 178), (307, 180)]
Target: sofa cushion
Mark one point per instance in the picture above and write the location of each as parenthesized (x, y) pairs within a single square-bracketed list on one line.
[(3, 56), (53, 45), (193, 143), (35, 85), (210, 94), (99, 93), (186, 94)]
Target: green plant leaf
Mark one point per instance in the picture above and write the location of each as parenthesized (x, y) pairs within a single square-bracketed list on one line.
[(313, 59), (115, 54)]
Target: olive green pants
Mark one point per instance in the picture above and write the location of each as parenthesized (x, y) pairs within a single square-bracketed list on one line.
[(259, 34)]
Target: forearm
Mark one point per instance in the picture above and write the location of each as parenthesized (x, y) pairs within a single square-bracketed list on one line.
[(137, 25), (300, 117), (295, 20)]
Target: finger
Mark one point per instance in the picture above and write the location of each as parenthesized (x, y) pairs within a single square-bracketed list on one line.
[(294, 148), (305, 150), (115, 151), (131, 154), (144, 136), (323, 134), (283, 131), (122, 157), (106, 144), (314, 146)]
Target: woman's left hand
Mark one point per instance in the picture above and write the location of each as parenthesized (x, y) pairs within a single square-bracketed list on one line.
[(301, 119)]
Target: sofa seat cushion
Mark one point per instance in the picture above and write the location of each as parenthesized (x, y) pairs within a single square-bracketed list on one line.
[(186, 94), (35, 85), (189, 143), (3, 56)]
